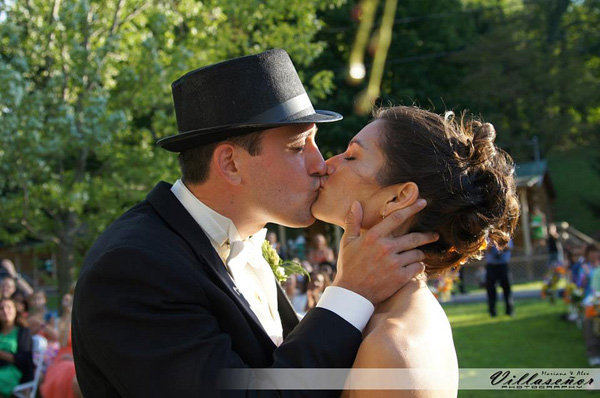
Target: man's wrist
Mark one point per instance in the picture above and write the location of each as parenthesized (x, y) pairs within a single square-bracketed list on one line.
[(349, 305), (352, 289)]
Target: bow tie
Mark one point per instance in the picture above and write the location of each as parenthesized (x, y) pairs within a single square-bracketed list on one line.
[(249, 251)]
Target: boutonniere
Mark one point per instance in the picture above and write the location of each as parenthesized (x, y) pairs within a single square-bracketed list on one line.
[(281, 269)]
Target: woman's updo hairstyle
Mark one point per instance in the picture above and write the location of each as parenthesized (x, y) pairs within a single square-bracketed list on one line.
[(467, 181)]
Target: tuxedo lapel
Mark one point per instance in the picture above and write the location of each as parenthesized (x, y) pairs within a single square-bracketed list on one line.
[(289, 318), (177, 217)]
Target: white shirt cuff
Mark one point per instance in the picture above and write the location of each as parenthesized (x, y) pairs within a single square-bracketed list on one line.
[(352, 307)]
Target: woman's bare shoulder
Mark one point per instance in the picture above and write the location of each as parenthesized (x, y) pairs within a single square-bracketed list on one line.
[(409, 336), (417, 339)]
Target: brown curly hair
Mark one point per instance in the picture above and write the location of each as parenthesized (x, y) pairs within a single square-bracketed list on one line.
[(467, 180)]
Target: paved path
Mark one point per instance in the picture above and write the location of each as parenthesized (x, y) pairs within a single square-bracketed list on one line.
[(481, 297)]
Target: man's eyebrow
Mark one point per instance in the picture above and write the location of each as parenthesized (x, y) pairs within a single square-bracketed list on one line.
[(357, 142), (303, 135)]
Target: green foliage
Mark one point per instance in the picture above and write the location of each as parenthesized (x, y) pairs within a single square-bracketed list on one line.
[(86, 94), (85, 87), (529, 67), (575, 171)]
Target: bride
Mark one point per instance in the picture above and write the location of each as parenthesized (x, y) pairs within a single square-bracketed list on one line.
[(405, 154)]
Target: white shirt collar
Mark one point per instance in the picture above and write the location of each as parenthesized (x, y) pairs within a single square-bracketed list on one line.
[(217, 227)]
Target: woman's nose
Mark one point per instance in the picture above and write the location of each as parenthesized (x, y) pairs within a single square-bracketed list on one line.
[(331, 164)]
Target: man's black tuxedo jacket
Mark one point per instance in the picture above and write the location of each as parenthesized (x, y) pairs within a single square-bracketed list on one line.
[(156, 314)]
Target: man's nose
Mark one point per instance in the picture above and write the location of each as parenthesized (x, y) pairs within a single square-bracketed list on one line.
[(316, 163)]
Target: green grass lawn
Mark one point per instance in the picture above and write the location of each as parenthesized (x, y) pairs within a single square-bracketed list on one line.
[(535, 338), (517, 287)]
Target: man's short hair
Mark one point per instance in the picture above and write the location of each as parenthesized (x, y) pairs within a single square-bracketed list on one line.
[(195, 162)]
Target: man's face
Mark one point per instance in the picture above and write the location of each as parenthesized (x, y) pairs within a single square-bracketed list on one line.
[(283, 180)]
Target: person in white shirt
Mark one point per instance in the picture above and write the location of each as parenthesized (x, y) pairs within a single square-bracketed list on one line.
[(177, 289)]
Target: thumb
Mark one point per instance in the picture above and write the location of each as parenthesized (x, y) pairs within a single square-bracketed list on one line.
[(353, 222)]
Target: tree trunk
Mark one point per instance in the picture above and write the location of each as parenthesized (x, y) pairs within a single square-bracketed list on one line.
[(65, 261), (66, 254)]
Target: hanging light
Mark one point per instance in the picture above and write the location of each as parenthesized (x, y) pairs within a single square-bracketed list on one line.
[(357, 71)]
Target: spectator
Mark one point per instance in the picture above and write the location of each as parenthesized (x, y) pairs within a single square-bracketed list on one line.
[(591, 286), (555, 248), (16, 361), (320, 252), (289, 287), (315, 289), (7, 287), (64, 322), (300, 300), (300, 247), (22, 307), (497, 271), (272, 238), (38, 327), (576, 266), (37, 306), (592, 253), (60, 380), (328, 271), (7, 269)]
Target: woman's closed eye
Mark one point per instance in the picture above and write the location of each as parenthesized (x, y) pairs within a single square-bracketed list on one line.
[(349, 155)]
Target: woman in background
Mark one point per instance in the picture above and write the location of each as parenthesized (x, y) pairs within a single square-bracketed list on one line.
[(16, 360)]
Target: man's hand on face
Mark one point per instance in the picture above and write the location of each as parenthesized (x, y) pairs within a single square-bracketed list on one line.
[(376, 264)]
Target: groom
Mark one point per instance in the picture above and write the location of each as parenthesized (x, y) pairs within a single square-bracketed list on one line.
[(176, 288)]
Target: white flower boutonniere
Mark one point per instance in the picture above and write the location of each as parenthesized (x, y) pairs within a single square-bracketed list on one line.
[(281, 269)]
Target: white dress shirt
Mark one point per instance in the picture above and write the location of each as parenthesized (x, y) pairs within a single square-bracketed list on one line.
[(254, 278)]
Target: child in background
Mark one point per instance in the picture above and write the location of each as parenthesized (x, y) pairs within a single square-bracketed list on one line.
[(591, 301)]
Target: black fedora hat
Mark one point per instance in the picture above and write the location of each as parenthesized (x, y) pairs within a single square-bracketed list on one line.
[(237, 97)]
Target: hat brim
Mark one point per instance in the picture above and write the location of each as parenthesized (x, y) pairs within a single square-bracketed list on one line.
[(191, 139)]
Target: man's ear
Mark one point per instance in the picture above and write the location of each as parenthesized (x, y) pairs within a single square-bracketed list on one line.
[(401, 196), (225, 163)]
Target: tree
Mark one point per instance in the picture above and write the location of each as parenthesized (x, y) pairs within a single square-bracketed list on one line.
[(85, 96)]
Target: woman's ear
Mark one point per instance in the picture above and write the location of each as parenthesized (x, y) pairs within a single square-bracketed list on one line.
[(404, 195), (225, 163)]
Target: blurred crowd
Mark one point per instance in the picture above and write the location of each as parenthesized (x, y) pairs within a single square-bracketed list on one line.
[(574, 277), (35, 342), (317, 258)]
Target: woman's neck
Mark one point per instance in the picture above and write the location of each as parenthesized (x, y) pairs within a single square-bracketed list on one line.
[(7, 328), (401, 296)]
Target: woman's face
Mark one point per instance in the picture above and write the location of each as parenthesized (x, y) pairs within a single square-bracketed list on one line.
[(8, 312), (7, 287), (351, 176), (38, 300), (67, 301)]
